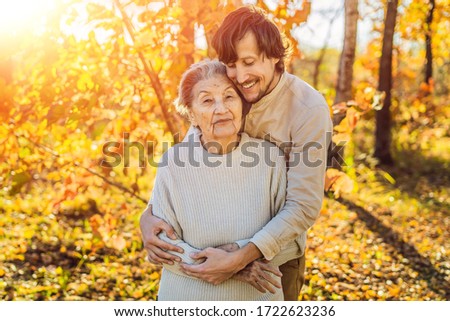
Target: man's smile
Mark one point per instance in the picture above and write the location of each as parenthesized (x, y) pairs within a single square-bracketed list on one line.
[(248, 85)]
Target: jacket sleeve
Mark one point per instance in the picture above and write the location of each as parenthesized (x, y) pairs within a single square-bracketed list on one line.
[(310, 138)]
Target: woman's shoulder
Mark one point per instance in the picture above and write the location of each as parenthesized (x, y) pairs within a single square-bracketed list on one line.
[(175, 154)]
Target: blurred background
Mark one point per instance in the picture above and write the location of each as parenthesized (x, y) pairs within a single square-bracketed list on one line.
[(86, 92)]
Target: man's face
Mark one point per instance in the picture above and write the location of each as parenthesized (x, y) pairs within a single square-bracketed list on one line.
[(253, 73)]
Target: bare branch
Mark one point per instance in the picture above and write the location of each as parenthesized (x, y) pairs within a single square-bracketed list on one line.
[(77, 164), (149, 70)]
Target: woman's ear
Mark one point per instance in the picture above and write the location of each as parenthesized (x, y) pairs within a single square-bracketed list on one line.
[(191, 118)]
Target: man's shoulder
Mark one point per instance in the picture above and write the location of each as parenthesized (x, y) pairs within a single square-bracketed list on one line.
[(261, 144), (256, 142), (294, 81), (304, 94)]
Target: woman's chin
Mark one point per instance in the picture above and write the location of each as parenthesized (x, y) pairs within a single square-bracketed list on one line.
[(225, 133)]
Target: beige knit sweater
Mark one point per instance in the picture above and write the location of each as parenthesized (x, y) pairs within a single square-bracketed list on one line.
[(212, 200)]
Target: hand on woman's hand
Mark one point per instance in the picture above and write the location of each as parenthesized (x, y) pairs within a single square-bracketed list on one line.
[(157, 249), (219, 265), (259, 274)]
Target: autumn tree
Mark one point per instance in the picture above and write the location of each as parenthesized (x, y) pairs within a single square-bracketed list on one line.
[(428, 44), (383, 116), (69, 100), (345, 72), (423, 29)]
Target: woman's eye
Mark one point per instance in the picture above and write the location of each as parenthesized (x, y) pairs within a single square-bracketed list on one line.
[(249, 63), (229, 97), (207, 101)]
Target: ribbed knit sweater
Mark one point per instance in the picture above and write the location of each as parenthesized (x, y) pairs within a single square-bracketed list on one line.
[(296, 118), (212, 200)]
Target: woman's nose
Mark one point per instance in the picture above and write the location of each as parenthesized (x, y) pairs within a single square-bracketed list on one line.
[(220, 106)]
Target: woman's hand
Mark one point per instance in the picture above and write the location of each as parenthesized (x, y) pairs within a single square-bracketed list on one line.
[(157, 249), (229, 247), (259, 275)]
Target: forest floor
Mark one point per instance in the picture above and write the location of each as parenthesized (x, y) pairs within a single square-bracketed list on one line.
[(389, 240)]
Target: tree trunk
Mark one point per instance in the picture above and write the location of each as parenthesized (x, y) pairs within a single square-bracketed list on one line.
[(187, 33), (345, 74), (383, 116), (429, 53)]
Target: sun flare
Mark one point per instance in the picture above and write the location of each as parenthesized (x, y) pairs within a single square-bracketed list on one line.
[(19, 15)]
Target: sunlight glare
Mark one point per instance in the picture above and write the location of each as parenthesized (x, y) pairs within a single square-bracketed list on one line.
[(19, 15)]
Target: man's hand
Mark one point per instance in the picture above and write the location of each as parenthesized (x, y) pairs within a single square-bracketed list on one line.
[(151, 226), (218, 267), (219, 264), (258, 274)]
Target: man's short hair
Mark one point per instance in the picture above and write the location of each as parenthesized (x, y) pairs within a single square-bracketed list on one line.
[(235, 26)]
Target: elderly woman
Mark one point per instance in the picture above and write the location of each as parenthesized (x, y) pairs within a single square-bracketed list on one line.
[(217, 189)]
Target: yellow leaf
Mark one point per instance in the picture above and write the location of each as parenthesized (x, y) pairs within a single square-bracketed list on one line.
[(119, 243), (82, 288), (42, 126), (85, 82), (343, 126), (341, 138), (59, 270), (138, 294), (394, 291), (352, 118), (388, 177), (330, 178), (87, 245), (338, 182), (28, 234)]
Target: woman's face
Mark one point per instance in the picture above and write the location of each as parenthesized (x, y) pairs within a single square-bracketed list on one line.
[(216, 109)]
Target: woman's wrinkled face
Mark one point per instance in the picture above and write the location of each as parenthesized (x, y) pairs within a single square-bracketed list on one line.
[(216, 109)]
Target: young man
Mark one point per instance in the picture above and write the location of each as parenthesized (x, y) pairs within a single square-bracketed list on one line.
[(289, 113)]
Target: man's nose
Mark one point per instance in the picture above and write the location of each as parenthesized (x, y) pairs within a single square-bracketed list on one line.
[(231, 73), (241, 76)]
